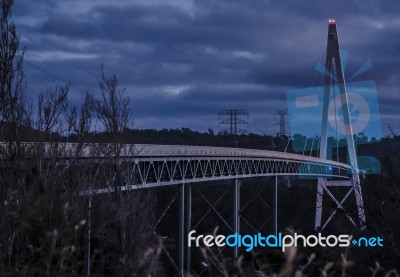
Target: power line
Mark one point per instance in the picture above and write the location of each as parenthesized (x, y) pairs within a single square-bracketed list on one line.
[(45, 71), (61, 57), (97, 78)]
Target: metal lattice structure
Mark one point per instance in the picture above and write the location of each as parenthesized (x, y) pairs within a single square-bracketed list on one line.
[(233, 120), (282, 123)]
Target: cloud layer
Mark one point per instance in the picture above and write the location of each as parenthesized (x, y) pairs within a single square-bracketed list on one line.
[(183, 61)]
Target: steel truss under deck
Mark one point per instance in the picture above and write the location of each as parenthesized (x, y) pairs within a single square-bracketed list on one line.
[(163, 171)]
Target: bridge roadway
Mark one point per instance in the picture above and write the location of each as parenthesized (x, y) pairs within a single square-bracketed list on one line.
[(162, 165)]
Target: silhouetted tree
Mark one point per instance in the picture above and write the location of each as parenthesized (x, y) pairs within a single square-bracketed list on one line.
[(14, 110), (112, 109)]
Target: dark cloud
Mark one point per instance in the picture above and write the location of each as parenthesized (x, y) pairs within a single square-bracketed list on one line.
[(183, 61)]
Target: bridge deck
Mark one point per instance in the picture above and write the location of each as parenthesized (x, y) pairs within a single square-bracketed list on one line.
[(93, 150), (146, 150), (161, 165)]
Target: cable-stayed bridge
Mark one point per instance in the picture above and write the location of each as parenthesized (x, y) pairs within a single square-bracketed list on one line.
[(186, 166)]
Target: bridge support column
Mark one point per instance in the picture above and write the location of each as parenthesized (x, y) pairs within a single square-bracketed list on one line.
[(318, 205), (89, 227), (323, 186), (275, 216), (181, 230), (89, 235), (188, 224), (236, 213), (360, 206)]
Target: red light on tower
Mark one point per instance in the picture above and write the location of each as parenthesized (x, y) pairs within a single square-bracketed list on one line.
[(331, 21)]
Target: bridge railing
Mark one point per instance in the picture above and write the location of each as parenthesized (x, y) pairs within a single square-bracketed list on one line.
[(106, 150)]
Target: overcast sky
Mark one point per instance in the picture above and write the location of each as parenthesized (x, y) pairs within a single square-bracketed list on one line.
[(182, 61)]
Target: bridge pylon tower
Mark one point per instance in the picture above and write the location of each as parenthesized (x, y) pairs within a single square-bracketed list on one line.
[(333, 61)]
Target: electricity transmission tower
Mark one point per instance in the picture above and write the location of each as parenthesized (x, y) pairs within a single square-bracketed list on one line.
[(232, 118), (282, 122)]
